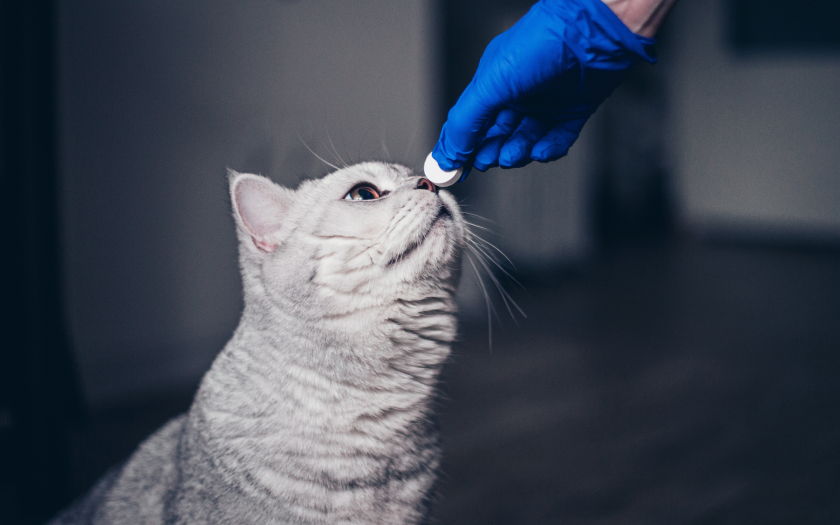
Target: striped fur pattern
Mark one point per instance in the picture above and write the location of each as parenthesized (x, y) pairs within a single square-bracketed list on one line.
[(320, 409)]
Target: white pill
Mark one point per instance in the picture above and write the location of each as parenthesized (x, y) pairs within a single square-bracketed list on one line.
[(441, 178)]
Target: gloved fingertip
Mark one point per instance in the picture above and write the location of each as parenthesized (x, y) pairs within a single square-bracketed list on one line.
[(556, 143), (486, 158), (547, 152), (524, 161), (507, 159), (487, 155), (511, 154), (480, 166), (488, 152)]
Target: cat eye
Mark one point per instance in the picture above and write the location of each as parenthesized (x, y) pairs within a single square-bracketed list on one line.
[(363, 193)]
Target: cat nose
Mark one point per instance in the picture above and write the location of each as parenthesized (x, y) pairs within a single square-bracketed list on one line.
[(426, 184)]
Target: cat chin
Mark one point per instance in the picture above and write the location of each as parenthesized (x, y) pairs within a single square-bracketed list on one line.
[(433, 249)]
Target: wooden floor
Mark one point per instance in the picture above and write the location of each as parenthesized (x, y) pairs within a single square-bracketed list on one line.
[(684, 385), (689, 384)]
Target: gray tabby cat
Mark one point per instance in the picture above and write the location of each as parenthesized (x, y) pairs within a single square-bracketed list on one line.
[(320, 408)]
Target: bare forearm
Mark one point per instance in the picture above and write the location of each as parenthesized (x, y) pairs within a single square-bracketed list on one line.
[(643, 17)]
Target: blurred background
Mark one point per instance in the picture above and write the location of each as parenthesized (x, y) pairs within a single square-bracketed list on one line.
[(680, 269)]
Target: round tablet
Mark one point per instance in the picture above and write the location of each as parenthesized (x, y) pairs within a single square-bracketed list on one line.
[(438, 176)]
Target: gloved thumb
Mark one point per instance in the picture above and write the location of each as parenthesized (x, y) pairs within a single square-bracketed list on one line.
[(465, 127)]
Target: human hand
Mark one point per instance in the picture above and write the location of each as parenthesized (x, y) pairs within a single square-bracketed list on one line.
[(537, 84)]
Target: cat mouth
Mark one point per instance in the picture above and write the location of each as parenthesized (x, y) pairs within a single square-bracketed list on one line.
[(442, 214)]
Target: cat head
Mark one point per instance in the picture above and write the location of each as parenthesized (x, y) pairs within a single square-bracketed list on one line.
[(359, 238)]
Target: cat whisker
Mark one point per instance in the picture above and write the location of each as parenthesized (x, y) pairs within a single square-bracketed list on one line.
[(488, 256), (506, 298), (485, 242), (477, 216), (336, 151), (512, 278), (385, 149), (477, 226), (490, 309), (305, 145), (480, 248)]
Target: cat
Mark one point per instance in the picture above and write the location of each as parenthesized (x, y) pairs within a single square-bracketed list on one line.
[(320, 409)]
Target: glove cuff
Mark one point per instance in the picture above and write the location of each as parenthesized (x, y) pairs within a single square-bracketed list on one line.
[(600, 15)]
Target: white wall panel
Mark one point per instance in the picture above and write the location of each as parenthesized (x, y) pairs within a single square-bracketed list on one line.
[(757, 136)]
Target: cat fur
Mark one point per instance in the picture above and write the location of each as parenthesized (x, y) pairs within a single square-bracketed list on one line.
[(320, 409)]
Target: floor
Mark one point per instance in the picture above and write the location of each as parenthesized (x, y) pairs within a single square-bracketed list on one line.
[(684, 384)]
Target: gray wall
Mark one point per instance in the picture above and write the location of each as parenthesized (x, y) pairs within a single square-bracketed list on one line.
[(756, 142), (156, 99)]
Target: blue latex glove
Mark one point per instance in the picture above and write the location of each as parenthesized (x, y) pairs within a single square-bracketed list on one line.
[(537, 84)]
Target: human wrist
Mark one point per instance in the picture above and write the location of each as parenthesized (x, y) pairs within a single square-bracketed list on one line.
[(642, 17)]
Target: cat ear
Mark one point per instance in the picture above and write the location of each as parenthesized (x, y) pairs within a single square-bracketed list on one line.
[(260, 208)]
